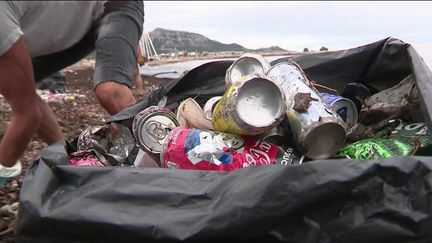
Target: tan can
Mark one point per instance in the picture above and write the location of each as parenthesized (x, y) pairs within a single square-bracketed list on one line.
[(209, 107), (251, 106)]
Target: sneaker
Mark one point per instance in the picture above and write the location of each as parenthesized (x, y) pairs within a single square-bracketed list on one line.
[(9, 172)]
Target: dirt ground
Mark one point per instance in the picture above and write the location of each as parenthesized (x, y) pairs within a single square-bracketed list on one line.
[(73, 114)]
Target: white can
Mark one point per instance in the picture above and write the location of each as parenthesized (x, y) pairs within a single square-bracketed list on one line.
[(248, 63), (316, 128)]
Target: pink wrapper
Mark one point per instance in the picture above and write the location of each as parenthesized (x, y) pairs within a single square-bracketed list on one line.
[(207, 150), (87, 158)]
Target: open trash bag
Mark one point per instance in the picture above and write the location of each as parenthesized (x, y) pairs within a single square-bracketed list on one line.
[(335, 200)]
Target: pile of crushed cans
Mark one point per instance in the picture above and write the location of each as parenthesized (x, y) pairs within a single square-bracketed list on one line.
[(269, 114)]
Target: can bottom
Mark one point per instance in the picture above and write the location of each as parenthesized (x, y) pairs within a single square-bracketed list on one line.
[(324, 141)]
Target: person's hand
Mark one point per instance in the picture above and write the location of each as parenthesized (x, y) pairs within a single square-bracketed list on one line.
[(9, 172)]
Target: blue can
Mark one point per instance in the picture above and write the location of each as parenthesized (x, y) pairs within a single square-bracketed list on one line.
[(344, 107)]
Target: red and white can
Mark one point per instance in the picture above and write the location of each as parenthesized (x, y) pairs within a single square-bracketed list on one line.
[(87, 158), (207, 150)]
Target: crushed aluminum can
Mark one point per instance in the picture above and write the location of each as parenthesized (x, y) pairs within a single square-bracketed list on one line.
[(317, 130), (190, 115), (416, 134), (151, 127), (377, 148), (344, 107), (250, 106), (246, 64), (88, 137), (87, 158), (113, 140), (208, 150), (209, 107)]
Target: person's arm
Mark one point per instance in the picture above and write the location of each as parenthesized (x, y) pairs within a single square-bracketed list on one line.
[(17, 85)]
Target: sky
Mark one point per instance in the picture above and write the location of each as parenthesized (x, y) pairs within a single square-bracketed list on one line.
[(295, 25)]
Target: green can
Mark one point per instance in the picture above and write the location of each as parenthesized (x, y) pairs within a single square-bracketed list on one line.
[(377, 148), (416, 134)]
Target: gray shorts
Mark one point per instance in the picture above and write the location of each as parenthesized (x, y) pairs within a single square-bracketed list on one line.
[(115, 39)]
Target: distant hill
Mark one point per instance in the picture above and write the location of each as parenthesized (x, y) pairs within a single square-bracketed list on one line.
[(166, 41), (271, 49)]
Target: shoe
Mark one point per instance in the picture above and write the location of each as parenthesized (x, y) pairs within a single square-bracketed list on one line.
[(9, 172)]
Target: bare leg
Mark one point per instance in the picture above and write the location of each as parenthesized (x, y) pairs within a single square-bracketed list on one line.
[(139, 84), (49, 130), (18, 87)]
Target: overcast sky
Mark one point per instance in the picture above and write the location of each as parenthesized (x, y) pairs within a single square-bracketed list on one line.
[(296, 25)]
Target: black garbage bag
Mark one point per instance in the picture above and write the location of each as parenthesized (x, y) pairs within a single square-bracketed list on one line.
[(343, 200)]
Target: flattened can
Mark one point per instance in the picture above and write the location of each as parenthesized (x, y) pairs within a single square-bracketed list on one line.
[(87, 158), (87, 138), (250, 106), (344, 107), (317, 130), (209, 107), (151, 127), (246, 64), (208, 150)]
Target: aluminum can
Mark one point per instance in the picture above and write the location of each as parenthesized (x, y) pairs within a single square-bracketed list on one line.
[(416, 134), (250, 106), (344, 107), (151, 127), (209, 107), (246, 64), (208, 150), (88, 137), (191, 115), (277, 135), (115, 141), (377, 148), (87, 158), (317, 130)]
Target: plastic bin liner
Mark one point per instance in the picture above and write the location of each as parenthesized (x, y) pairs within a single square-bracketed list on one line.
[(343, 200)]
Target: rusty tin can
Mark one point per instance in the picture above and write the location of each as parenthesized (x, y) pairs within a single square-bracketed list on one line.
[(209, 107), (250, 106), (151, 127), (316, 128), (246, 64)]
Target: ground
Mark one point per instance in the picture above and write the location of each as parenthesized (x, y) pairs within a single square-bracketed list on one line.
[(75, 112)]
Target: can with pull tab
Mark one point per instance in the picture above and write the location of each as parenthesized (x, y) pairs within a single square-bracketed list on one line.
[(151, 127)]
